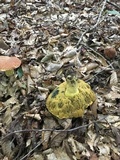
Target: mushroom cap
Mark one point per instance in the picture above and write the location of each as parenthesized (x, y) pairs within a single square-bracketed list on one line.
[(9, 63), (66, 106)]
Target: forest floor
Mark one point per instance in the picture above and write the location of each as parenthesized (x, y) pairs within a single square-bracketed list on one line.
[(50, 38)]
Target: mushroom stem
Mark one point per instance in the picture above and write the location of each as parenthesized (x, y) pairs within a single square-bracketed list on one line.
[(9, 72)]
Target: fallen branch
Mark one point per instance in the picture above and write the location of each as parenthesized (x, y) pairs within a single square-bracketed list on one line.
[(51, 130)]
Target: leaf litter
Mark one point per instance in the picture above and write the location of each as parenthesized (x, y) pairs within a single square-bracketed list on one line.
[(51, 38)]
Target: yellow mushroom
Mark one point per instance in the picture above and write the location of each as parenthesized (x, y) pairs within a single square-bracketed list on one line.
[(71, 98)]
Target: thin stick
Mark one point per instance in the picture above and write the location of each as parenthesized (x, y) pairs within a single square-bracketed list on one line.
[(32, 150), (51, 130), (113, 4), (98, 20), (98, 55)]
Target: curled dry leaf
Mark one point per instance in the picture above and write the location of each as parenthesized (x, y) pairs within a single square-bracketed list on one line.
[(49, 123), (47, 57), (61, 154), (3, 45), (112, 95), (116, 132), (7, 149), (65, 123), (2, 25), (77, 148), (30, 84), (112, 119), (36, 156), (43, 89), (2, 106), (11, 111), (35, 116), (104, 149), (115, 89), (93, 156), (57, 138), (7, 119), (109, 119), (113, 79), (91, 139), (35, 72), (15, 110), (52, 67), (31, 40), (53, 39), (88, 67), (28, 142), (69, 52), (91, 66)]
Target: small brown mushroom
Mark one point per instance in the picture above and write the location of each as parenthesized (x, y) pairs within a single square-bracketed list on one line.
[(110, 52), (8, 64)]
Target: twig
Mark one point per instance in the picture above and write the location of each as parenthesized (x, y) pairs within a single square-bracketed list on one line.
[(51, 130), (98, 20), (32, 150), (99, 72), (98, 55), (113, 4), (93, 51)]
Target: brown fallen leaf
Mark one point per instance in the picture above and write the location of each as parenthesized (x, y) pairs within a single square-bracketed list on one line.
[(88, 67), (57, 138), (91, 66), (113, 79), (114, 156), (116, 133), (7, 119), (93, 156), (49, 123), (7, 149), (3, 45)]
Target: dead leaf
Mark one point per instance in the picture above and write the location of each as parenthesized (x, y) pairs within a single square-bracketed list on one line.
[(116, 133), (3, 45), (31, 40), (103, 149), (47, 57), (7, 148), (49, 123), (91, 139), (65, 123), (91, 66), (115, 156), (35, 116), (57, 138), (36, 156), (93, 156), (69, 52), (112, 95), (77, 148), (30, 84), (52, 67), (7, 119), (53, 39), (15, 109), (113, 79)]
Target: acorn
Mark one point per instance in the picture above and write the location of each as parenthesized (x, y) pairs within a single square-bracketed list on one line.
[(110, 52)]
